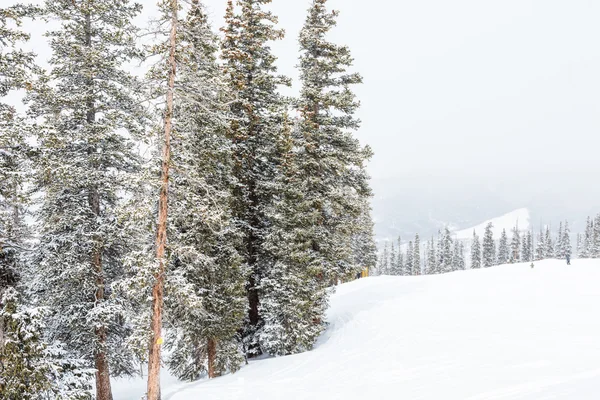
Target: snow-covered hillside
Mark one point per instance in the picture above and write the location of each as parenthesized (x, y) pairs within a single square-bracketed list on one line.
[(507, 221), (507, 332)]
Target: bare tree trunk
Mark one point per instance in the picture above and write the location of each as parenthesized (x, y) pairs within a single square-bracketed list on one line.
[(161, 231), (212, 355), (103, 388)]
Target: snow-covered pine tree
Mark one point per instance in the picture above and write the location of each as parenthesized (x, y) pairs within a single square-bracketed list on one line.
[(363, 242), (30, 368), (527, 252), (588, 239), (16, 72), (90, 111), (293, 297), (432, 260), (475, 252), (410, 253), (579, 245), (503, 252), (205, 297), (458, 258), (446, 255), (399, 267), (384, 260), (393, 259), (540, 251), (515, 245), (416, 256), (595, 247), (489, 247), (559, 251), (548, 244), (256, 125), (566, 241)]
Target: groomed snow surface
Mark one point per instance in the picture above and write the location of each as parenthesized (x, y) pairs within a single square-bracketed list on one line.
[(507, 332)]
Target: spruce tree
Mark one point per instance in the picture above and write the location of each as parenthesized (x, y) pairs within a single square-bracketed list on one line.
[(540, 251), (588, 239), (527, 252), (475, 252), (503, 252), (559, 250), (515, 246), (595, 243), (363, 242), (432, 261), (399, 267), (410, 253), (90, 111), (257, 114), (567, 248), (445, 257), (548, 244), (489, 247), (458, 258), (384, 260), (205, 297), (393, 259), (416, 256)]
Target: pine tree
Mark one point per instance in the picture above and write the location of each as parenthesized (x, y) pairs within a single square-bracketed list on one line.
[(503, 252), (579, 246), (31, 369), (527, 253), (515, 246), (384, 260), (548, 244), (398, 269), (559, 251), (540, 251), (410, 259), (363, 242), (588, 239), (445, 252), (458, 258), (432, 265), (205, 296), (595, 247), (256, 125), (416, 259), (489, 247), (475, 252), (90, 111), (393, 259), (567, 248)]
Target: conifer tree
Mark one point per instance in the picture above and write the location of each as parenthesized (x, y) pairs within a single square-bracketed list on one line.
[(393, 259), (206, 301), (489, 247), (256, 125), (410, 253), (445, 256), (595, 247), (475, 252), (548, 244), (567, 249), (527, 253), (540, 251), (515, 246), (503, 252), (384, 260), (90, 112), (363, 242), (579, 246), (417, 256), (399, 267), (458, 258), (559, 250), (588, 239), (432, 265)]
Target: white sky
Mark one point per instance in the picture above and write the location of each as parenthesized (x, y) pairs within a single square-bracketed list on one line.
[(468, 89)]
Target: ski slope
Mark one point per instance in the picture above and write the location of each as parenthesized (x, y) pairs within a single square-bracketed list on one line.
[(507, 332)]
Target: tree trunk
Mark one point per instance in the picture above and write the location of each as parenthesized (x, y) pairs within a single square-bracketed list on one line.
[(103, 388), (212, 355), (161, 232)]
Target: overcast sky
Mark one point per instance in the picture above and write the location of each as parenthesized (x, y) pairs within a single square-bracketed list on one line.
[(466, 89)]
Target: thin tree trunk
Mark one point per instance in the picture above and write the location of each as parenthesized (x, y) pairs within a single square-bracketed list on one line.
[(212, 356), (161, 232), (103, 388)]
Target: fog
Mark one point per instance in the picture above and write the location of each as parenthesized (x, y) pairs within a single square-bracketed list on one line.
[(472, 107)]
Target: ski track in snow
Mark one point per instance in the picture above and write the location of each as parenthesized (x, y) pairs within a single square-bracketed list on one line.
[(504, 333)]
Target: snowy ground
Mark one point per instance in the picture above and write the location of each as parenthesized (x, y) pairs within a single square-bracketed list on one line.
[(508, 332)]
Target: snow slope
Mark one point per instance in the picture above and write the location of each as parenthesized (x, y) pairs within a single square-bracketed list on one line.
[(507, 332), (507, 221)]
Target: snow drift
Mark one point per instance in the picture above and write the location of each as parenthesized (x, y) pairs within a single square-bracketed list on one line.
[(507, 332)]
